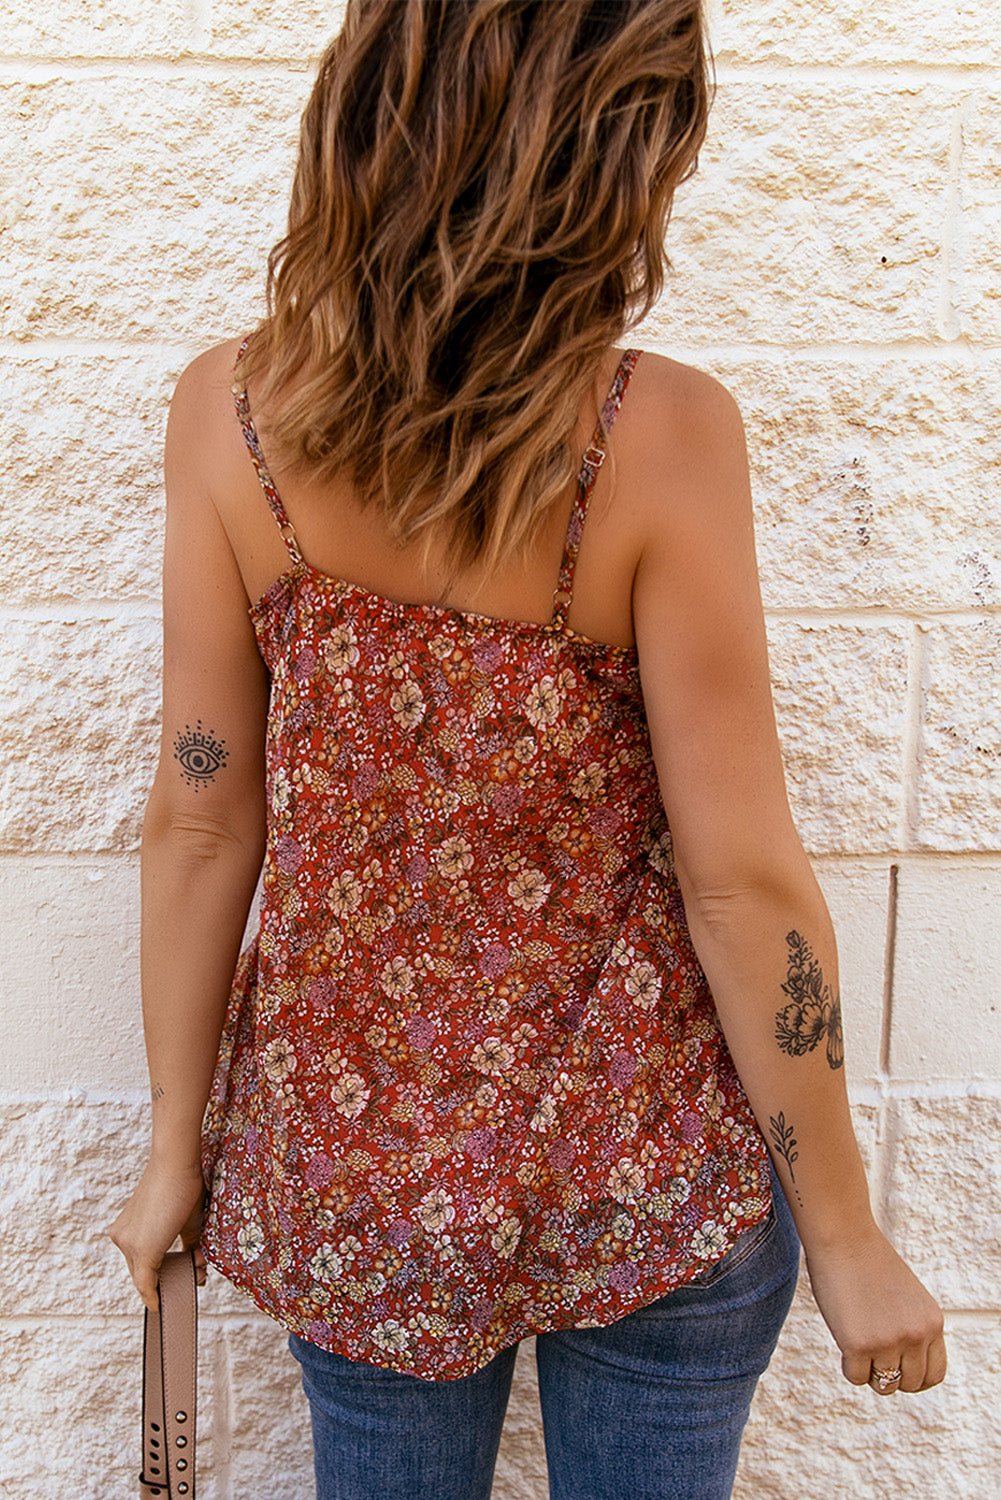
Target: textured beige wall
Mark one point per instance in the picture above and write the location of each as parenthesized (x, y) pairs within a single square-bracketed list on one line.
[(839, 265)]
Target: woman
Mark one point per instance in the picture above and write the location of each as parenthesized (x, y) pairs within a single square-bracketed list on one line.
[(542, 971)]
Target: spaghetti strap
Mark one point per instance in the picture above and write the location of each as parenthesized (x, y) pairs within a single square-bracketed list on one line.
[(594, 457), (253, 442)]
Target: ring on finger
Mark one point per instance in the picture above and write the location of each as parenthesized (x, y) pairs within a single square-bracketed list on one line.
[(884, 1380)]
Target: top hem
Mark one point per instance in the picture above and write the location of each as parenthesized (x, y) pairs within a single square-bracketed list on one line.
[(650, 1288)]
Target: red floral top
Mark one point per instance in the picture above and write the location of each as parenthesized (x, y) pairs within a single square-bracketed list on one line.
[(471, 1083)]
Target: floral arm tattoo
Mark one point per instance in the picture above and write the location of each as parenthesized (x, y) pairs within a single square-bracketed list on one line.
[(814, 1013), (785, 1146)]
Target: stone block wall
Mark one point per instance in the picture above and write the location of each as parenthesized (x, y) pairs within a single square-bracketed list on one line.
[(838, 264)]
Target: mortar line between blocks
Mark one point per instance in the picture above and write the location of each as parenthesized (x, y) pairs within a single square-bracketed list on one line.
[(217, 68), (872, 1093), (730, 68), (14, 1322), (889, 963), (949, 321), (149, 607), (929, 1091), (807, 351), (877, 615), (100, 859), (875, 859), (97, 1321), (67, 613), (895, 75), (880, 1176), (910, 750)]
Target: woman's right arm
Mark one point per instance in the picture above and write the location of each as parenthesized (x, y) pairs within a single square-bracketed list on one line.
[(757, 918), (203, 833)]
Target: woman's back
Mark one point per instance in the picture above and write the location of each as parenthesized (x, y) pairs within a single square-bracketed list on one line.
[(667, 407)]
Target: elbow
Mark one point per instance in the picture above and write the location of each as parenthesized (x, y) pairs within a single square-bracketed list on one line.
[(760, 891), (200, 838)]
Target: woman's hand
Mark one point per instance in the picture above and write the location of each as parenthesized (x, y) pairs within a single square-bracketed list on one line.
[(166, 1204), (881, 1316)]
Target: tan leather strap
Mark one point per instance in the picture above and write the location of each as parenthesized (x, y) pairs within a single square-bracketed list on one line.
[(170, 1349)]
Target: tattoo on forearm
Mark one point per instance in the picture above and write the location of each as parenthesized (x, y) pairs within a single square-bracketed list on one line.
[(157, 1091), (200, 755), (785, 1144), (814, 1014)]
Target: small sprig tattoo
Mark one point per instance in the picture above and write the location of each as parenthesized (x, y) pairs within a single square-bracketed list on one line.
[(785, 1144), (199, 754), (814, 1014)]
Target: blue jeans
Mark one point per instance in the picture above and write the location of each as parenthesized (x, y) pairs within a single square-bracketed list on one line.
[(651, 1407)]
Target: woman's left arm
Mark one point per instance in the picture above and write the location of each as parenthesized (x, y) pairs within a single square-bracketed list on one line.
[(757, 918), (203, 832)]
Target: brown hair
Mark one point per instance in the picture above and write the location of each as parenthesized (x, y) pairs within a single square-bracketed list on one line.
[(478, 213)]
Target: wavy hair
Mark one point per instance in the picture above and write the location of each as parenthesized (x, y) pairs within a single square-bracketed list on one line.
[(478, 212)]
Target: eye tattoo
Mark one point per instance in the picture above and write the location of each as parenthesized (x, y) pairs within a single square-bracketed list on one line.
[(199, 755), (814, 1014)]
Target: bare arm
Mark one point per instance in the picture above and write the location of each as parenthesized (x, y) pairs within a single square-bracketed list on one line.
[(756, 914), (203, 834)]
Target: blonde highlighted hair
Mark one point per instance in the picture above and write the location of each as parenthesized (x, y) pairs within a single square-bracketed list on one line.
[(478, 213)]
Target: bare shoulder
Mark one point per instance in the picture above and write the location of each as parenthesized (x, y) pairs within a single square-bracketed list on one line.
[(203, 393), (684, 409), (209, 374), (205, 446), (689, 452), (684, 387)]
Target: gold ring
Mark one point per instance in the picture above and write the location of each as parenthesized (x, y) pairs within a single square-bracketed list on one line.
[(884, 1379)]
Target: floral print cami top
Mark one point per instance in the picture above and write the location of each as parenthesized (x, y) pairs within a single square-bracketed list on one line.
[(472, 1084)]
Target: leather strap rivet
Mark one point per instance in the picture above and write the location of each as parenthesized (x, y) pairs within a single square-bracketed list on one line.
[(182, 1463), (182, 1489), (182, 1441), (180, 1416)]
